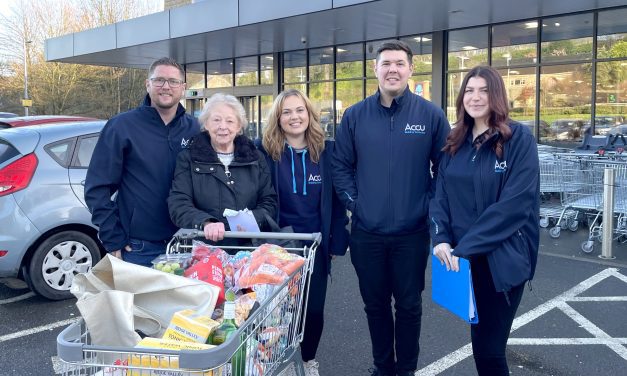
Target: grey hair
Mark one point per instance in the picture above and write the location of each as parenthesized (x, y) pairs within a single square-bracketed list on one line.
[(229, 100)]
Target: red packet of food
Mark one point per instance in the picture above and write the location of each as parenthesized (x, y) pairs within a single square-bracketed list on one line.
[(209, 269)]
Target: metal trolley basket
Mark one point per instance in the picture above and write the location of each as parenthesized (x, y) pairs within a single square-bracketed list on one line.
[(265, 344)]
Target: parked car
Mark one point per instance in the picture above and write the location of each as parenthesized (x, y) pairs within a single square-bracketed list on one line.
[(7, 115), (47, 236), (22, 121), (567, 129)]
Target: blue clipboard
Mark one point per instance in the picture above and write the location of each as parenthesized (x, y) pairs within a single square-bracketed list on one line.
[(453, 290)]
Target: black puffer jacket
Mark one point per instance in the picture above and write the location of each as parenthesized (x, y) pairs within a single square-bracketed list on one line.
[(201, 190)]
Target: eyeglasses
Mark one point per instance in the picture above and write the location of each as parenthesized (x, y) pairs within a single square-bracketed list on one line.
[(160, 81)]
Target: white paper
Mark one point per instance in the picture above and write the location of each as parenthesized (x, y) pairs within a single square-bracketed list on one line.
[(242, 220)]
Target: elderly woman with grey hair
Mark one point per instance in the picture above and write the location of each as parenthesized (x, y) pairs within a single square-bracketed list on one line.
[(221, 169)]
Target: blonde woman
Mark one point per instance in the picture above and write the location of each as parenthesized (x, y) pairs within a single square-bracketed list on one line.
[(300, 164)]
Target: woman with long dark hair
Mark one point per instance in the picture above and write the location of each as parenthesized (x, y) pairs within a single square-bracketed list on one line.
[(486, 210)]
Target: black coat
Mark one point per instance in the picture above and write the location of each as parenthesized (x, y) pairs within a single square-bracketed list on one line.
[(201, 190)]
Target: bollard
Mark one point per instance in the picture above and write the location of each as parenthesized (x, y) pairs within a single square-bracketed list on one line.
[(609, 177)]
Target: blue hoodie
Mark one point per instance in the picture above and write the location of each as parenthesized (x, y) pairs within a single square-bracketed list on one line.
[(331, 213), (383, 157), (490, 206), (135, 156)]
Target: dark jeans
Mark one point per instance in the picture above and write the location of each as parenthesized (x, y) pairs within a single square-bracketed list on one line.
[(489, 336), (392, 266), (143, 251), (314, 322)]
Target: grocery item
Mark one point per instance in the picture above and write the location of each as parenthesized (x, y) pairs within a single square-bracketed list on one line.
[(190, 326), (174, 263), (226, 330), (269, 264), (209, 269), (163, 362)]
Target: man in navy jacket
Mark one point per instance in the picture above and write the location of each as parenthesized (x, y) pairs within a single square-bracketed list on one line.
[(135, 157), (385, 148)]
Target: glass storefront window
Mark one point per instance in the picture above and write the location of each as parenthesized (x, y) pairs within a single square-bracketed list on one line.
[(565, 97), (611, 101), (301, 87), (520, 86), (514, 44), (467, 48), (195, 76), (266, 75), (294, 66), (348, 93), (567, 38), (266, 104), (246, 71), (612, 34), (220, 73), (372, 85), (420, 84), (321, 64), (321, 95), (371, 55), (350, 62), (421, 47), (454, 82)]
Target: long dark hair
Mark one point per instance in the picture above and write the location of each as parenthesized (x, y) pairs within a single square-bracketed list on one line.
[(499, 111)]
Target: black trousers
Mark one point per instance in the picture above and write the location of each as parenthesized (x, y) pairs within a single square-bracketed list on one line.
[(392, 266), (496, 314), (314, 322)]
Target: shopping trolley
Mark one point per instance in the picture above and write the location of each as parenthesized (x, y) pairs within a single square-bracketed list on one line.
[(620, 202), (266, 343), (552, 171)]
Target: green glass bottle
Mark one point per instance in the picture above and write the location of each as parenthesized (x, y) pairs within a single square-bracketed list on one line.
[(227, 329)]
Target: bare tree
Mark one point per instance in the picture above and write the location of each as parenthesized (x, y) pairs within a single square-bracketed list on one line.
[(58, 88)]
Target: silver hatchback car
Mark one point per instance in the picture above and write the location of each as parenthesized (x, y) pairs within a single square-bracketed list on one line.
[(46, 234)]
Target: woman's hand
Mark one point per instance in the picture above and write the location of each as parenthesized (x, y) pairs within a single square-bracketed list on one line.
[(443, 252), (214, 231)]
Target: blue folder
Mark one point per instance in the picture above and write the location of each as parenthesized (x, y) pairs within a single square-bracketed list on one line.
[(453, 290)]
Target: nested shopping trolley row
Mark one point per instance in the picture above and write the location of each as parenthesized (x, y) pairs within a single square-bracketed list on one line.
[(572, 192)]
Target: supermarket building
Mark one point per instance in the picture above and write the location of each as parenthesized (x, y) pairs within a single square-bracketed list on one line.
[(564, 62)]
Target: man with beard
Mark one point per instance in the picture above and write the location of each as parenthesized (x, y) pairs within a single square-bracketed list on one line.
[(135, 158)]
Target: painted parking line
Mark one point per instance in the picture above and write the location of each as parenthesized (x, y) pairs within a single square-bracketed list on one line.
[(39, 329), (559, 302), (17, 298)]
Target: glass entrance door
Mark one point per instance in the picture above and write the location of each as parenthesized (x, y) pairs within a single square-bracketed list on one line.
[(250, 103), (257, 108)]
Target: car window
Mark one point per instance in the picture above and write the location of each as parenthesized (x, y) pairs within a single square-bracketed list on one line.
[(7, 151), (61, 151), (84, 151)]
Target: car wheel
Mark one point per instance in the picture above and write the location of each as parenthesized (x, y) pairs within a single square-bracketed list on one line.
[(57, 260)]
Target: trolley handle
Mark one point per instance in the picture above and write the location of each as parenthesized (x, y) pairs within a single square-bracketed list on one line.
[(192, 234)]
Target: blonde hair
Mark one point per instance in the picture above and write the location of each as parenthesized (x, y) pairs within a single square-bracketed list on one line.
[(273, 139), (229, 100)]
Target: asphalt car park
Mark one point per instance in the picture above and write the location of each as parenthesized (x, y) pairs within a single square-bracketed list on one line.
[(571, 323)]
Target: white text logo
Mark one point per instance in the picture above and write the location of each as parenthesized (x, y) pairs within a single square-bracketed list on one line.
[(314, 179), (500, 166), (415, 129), (184, 142)]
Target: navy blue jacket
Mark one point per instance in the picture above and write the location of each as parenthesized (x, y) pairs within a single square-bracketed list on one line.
[(382, 162), (507, 200), (135, 156), (332, 212)]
